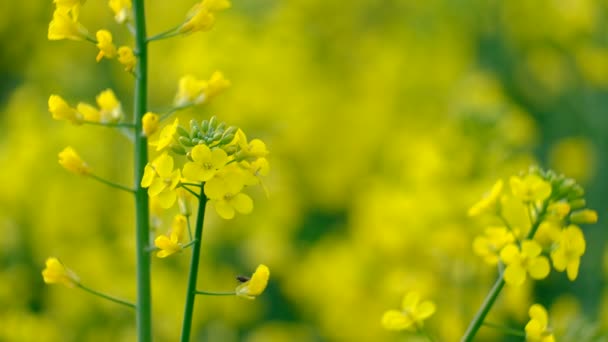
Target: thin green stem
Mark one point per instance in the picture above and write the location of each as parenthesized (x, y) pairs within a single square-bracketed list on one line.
[(504, 329), (193, 276), (142, 229), (192, 184), (488, 302), (208, 293), (110, 124), (112, 184), (189, 228), (192, 192), (105, 296), (166, 34)]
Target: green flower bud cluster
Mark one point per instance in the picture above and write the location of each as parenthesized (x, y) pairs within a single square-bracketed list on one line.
[(208, 132)]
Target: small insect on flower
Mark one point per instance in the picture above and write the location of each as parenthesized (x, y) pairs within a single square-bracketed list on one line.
[(242, 278)]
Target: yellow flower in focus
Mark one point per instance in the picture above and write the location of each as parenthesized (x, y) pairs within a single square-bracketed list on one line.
[(105, 45), (65, 27), (56, 273), (530, 188), (488, 202), (567, 256), (522, 262), (71, 161), (121, 9), (548, 233), (62, 111), (411, 316), (127, 58), (224, 191), (205, 164), (110, 109), (537, 329), (173, 243), (161, 180), (166, 136), (201, 16), (489, 246), (256, 285), (255, 148), (150, 122), (585, 216)]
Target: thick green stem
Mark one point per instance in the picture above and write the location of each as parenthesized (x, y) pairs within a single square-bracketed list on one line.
[(142, 229), (479, 318), (193, 276)]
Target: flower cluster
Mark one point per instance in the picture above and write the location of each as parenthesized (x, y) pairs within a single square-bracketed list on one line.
[(218, 158), (535, 222)]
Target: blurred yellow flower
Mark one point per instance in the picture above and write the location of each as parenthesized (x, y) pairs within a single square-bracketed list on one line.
[(488, 246), (161, 180), (127, 58), (62, 111), (412, 313), (255, 148), (205, 164), (194, 91), (488, 202), (530, 188), (217, 83), (89, 112), (150, 122), (105, 45), (69, 6), (110, 110), (173, 243), (56, 273), (585, 216), (537, 329), (522, 262), (166, 136), (570, 248), (121, 9), (71, 161), (256, 285), (224, 191), (201, 16), (65, 27)]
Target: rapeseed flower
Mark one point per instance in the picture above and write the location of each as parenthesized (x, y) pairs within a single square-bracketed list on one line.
[(66, 26), (201, 17), (412, 314), (56, 273), (488, 246), (530, 188), (150, 122), (205, 163), (570, 248), (121, 9), (71, 161), (488, 203), (224, 191), (60, 110), (127, 58), (537, 329), (161, 180), (105, 45), (524, 261), (173, 243), (256, 285), (166, 136)]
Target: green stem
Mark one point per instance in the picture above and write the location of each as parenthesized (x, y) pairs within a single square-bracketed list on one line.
[(208, 293), (167, 34), (109, 124), (193, 276), (506, 330), (477, 321), (105, 296), (192, 192), (142, 229), (112, 184)]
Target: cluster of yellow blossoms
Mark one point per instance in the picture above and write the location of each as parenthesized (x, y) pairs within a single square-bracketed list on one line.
[(534, 223)]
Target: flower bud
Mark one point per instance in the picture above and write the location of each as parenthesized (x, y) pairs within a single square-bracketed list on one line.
[(204, 126), (185, 141), (194, 127), (578, 203), (182, 131), (226, 139), (150, 122), (585, 216), (178, 149)]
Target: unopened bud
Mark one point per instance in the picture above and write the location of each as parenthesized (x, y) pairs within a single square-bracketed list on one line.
[(178, 149), (185, 141), (578, 203), (182, 131), (585, 216)]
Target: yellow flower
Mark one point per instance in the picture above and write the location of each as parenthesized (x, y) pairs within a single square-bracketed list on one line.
[(127, 58), (490, 245), (571, 246), (201, 18), (412, 313), (255, 170), (65, 27), (585, 216), (256, 285), (190, 90), (205, 164), (71, 161), (105, 45), (161, 180), (548, 233), (224, 191), (71, 6), (253, 149), (217, 83), (89, 112), (522, 262), (62, 111), (530, 188), (166, 136), (537, 329), (121, 9), (110, 108), (173, 243), (56, 273), (150, 122), (488, 202)]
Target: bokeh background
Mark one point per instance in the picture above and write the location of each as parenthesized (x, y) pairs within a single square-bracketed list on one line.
[(385, 120)]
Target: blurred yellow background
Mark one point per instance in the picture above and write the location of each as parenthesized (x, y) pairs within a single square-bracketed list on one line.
[(385, 121)]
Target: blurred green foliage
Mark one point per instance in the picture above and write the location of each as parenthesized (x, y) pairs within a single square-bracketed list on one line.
[(385, 120)]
